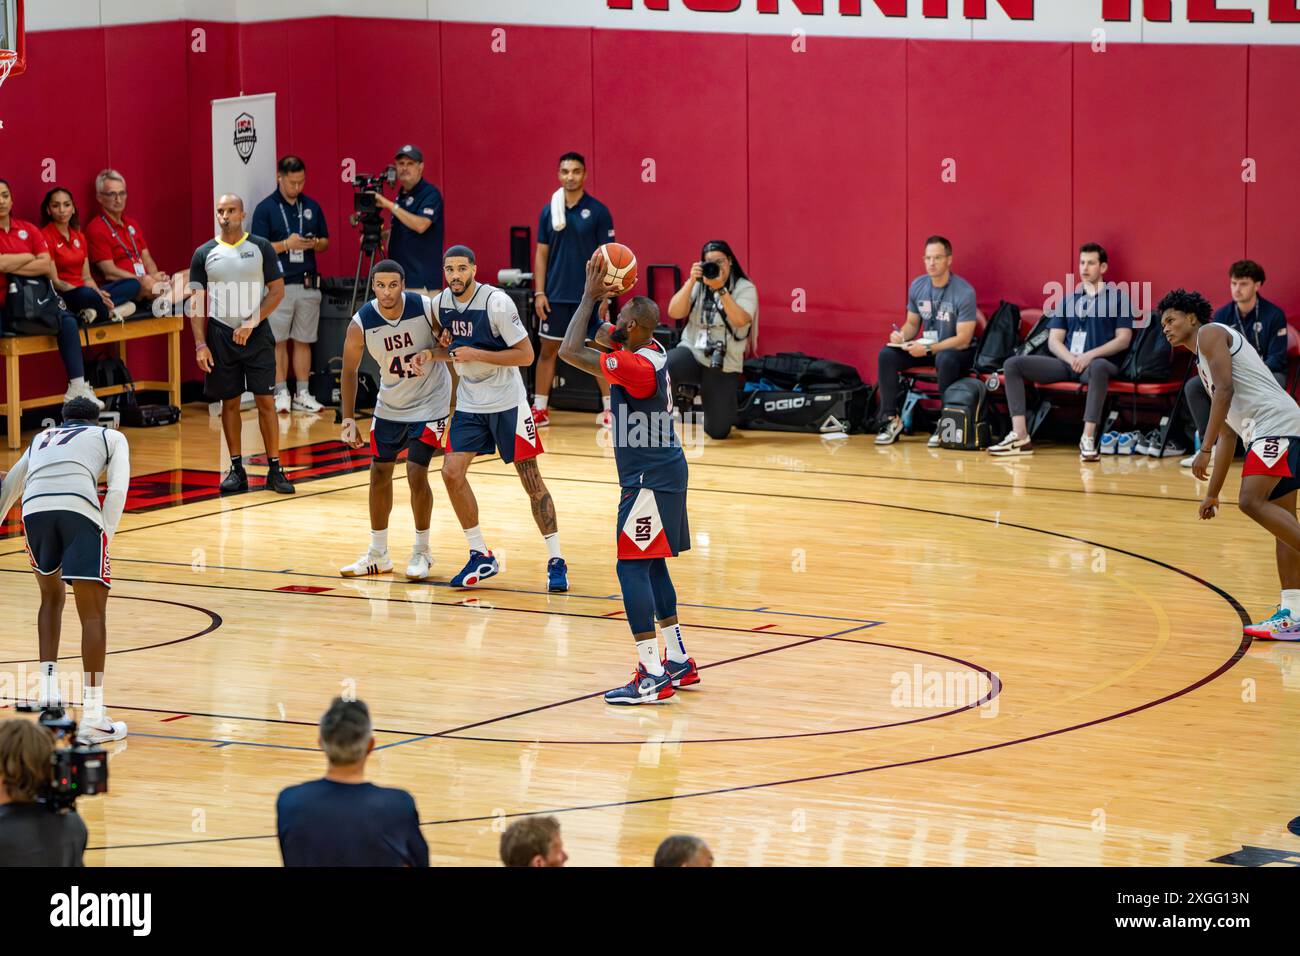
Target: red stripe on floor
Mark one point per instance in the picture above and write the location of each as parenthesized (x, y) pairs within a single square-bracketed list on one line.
[(168, 720), (762, 627)]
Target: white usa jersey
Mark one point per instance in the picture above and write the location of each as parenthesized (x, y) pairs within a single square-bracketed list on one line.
[(1260, 407), (60, 472), (405, 396)]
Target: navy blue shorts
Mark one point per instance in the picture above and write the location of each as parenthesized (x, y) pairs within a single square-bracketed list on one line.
[(387, 439), (556, 324), (511, 432), (68, 542), (652, 524)]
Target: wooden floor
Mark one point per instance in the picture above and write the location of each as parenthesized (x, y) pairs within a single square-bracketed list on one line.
[(911, 656)]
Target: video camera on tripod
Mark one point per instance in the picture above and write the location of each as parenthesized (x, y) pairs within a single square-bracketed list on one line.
[(368, 217)]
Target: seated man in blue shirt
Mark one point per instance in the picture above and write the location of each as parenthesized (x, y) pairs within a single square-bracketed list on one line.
[(340, 820), (416, 232), (1261, 322), (1091, 329)]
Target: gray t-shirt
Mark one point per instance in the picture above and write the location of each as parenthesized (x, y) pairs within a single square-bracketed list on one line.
[(941, 309), (31, 835), (704, 324), (236, 276)]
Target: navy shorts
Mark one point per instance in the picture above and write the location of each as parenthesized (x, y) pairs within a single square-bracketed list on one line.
[(652, 524), (1278, 458), (511, 432), (68, 542), (420, 439), (556, 324)]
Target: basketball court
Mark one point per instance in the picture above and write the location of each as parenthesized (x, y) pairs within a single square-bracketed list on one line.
[(909, 655)]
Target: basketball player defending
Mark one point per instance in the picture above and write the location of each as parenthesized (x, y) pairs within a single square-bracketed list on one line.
[(488, 344), (652, 472), (1247, 401), (68, 533), (411, 413)]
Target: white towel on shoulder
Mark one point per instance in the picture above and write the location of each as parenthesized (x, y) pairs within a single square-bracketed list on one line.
[(557, 210)]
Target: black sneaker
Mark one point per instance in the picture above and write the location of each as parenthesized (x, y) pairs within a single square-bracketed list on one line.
[(278, 482), (236, 480)]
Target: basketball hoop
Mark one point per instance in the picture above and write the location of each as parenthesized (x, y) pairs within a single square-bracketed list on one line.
[(8, 60)]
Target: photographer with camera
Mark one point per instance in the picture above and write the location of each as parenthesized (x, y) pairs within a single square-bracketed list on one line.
[(416, 232), (720, 306), (31, 833)]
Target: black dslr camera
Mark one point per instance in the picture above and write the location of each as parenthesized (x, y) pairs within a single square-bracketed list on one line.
[(76, 770), (366, 214), (710, 269), (716, 351)]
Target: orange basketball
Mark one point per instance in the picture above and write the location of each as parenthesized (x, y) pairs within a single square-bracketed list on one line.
[(620, 266)]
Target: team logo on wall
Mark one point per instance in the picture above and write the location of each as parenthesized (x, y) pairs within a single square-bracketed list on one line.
[(245, 136)]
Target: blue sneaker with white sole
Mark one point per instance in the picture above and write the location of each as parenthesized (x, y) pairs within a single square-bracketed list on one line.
[(557, 575), (479, 568), (643, 688)]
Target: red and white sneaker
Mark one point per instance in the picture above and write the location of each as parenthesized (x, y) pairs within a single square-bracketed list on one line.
[(683, 674), (541, 417), (605, 419)]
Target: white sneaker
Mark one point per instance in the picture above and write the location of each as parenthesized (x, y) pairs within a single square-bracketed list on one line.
[(306, 402), (102, 732), (420, 566), (368, 564), (1088, 450), (88, 315), (83, 391), (122, 312), (934, 441), (246, 401), (889, 432), (1187, 462), (1012, 446), (282, 402)]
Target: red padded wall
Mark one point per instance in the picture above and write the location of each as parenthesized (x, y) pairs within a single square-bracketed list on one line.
[(686, 113), (1273, 200), (1158, 142), (827, 205), (509, 117)]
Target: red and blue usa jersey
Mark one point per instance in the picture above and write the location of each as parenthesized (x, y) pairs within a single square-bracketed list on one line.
[(646, 448)]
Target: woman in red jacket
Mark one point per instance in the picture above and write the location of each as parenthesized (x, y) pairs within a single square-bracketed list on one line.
[(59, 225)]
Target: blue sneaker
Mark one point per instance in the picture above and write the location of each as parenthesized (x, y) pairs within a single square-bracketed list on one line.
[(684, 674), (479, 568), (1109, 443), (1282, 620), (557, 575), (642, 689)]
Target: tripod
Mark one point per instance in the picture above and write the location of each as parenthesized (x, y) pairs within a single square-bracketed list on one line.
[(370, 241)]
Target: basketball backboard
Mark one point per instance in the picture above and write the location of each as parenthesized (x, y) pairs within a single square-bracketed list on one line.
[(11, 33)]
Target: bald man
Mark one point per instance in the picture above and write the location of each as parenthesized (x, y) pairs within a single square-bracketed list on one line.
[(238, 282)]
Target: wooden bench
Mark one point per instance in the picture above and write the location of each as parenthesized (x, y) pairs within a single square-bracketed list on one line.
[(12, 348)]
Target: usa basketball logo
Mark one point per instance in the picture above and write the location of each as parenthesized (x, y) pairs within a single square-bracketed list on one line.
[(245, 136)]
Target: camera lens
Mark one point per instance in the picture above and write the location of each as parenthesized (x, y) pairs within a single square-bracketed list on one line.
[(711, 270)]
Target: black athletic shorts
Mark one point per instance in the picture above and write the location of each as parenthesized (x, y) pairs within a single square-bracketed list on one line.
[(68, 542), (240, 368)]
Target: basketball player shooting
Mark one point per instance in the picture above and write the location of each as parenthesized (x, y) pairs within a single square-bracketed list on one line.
[(652, 474), (1247, 401), (68, 532), (414, 402)]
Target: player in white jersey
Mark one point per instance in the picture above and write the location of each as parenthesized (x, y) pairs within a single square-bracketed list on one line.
[(489, 344), (1246, 401), (68, 532), (394, 327)]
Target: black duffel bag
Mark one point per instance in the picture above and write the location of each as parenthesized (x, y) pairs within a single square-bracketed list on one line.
[(796, 371), (963, 422), (32, 307), (816, 412)]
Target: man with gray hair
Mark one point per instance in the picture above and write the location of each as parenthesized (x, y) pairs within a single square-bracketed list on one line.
[(116, 241), (683, 850), (341, 820)]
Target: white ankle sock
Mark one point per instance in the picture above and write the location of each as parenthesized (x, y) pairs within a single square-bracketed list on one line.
[(1291, 600), (302, 388), (379, 541), (92, 705), (474, 536), (673, 643), (49, 688), (553, 544), (77, 382), (422, 540), (604, 400), (281, 387), (648, 653), (539, 402)]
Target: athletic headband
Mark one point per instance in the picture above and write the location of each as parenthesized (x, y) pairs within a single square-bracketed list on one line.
[(388, 265), (465, 251)]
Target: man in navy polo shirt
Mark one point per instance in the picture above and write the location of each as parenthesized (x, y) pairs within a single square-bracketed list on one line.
[(1261, 322), (294, 224), (573, 226), (1090, 331), (415, 240)]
